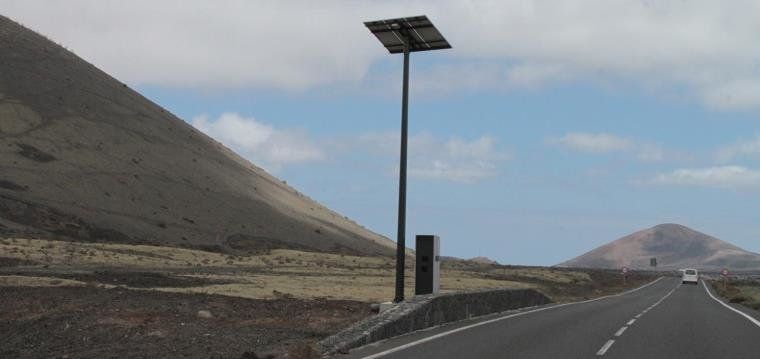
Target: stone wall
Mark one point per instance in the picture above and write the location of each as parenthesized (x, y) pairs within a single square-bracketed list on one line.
[(426, 311)]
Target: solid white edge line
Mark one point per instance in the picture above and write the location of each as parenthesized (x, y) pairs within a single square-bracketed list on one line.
[(631, 322), (439, 335), (745, 315), (605, 347), (620, 331)]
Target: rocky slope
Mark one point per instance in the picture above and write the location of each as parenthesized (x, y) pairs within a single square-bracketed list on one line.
[(83, 157)]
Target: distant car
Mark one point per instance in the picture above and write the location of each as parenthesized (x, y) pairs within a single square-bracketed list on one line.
[(690, 276)]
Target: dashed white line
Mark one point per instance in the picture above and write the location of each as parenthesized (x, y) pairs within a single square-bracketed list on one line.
[(605, 347), (620, 331), (439, 335)]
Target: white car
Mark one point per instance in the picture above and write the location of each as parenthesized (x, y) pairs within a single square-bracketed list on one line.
[(690, 276)]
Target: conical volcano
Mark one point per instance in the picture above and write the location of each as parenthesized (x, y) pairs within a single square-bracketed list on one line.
[(674, 246), (83, 157)]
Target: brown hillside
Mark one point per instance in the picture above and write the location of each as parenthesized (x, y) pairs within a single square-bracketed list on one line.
[(83, 157), (675, 246)]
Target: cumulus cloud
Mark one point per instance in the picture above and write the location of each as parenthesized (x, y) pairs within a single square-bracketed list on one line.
[(733, 94), (739, 149), (650, 153), (734, 177), (599, 143), (453, 159), (263, 144), (429, 157), (592, 142), (290, 45), (478, 75), (704, 46)]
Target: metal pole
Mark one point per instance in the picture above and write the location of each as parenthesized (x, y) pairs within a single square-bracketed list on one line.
[(401, 236)]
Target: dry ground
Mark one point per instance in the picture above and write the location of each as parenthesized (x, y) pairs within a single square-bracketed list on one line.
[(745, 292), (92, 299), (93, 322), (279, 273)]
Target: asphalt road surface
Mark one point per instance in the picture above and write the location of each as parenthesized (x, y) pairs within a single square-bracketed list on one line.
[(661, 320)]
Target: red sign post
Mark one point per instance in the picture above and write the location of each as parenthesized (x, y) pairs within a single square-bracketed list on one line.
[(724, 274), (625, 274)]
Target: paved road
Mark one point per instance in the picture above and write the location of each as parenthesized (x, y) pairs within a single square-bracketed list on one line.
[(662, 320)]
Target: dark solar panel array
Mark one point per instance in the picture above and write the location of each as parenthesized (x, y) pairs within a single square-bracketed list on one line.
[(417, 30)]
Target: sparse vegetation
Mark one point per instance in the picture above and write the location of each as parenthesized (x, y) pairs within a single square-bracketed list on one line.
[(744, 292), (307, 295), (295, 274), (303, 351)]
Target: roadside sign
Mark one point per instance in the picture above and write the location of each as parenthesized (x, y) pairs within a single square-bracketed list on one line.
[(724, 274), (625, 274)]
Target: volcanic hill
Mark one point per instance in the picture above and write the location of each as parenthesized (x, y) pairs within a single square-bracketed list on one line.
[(83, 157), (675, 246)]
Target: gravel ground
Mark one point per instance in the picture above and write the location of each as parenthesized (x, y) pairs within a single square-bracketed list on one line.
[(91, 322)]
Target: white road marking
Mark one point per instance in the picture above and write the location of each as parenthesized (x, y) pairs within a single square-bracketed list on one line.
[(745, 315), (620, 331), (443, 334), (605, 347)]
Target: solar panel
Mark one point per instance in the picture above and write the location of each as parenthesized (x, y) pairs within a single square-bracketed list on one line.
[(418, 31)]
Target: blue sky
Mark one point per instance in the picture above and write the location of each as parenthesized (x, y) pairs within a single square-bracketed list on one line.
[(545, 132)]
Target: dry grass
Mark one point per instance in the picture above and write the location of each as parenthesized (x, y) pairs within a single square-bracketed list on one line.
[(30, 281), (97, 254), (278, 274), (371, 288), (750, 295), (746, 293)]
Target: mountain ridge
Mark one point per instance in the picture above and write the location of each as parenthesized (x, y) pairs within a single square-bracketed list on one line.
[(673, 245)]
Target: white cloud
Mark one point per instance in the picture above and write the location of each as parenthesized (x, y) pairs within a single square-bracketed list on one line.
[(739, 149), (733, 94), (453, 159), (264, 145), (735, 177), (196, 43), (533, 75), (476, 75), (650, 153), (592, 142), (465, 173), (600, 143), (706, 46)]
